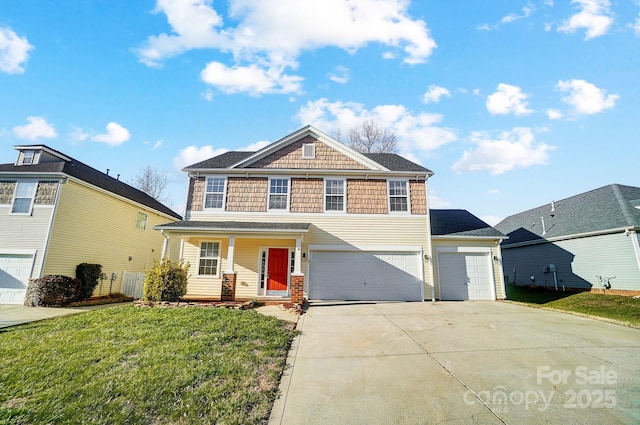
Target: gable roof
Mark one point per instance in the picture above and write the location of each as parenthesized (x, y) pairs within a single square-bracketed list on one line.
[(373, 161), (607, 208), (460, 223), (81, 171)]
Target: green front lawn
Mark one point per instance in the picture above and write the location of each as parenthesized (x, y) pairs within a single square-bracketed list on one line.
[(616, 307), (127, 365)]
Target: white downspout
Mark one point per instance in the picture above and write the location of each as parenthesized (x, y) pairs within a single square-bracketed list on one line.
[(165, 245)]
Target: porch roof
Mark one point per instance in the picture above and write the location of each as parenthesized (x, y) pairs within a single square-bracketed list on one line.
[(234, 226)]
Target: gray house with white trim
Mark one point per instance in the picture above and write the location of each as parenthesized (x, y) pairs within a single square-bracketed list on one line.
[(572, 242)]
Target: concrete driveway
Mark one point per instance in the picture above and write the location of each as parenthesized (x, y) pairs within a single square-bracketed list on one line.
[(458, 362)]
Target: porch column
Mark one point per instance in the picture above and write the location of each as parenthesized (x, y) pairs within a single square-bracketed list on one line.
[(230, 252), (297, 267), (229, 275)]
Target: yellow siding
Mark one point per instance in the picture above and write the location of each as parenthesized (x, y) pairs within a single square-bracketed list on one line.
[(93, 227)]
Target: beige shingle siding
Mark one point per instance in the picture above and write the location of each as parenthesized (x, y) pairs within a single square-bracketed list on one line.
[(307, 195), (418, 197), (247, 194), (291, 157), (367, 196), (6, 192), (196, 193), (46, 193)]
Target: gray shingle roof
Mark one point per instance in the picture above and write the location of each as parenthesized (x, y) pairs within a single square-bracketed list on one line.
[(609, 207), (235, 225), (92, 176), (391, 161), (460, 223)]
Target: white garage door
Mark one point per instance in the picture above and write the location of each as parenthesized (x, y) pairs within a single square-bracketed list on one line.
[(465, 276), (15, 270), (365, 276)]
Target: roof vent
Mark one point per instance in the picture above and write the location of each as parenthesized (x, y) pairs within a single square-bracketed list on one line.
[(308, 151)]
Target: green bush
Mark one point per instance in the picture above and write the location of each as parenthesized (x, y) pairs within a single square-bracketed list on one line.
[(166, 280), (88, 275), (52, 290)]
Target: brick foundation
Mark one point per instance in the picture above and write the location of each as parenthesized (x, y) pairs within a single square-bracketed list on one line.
[(297, 289), (228, 287)]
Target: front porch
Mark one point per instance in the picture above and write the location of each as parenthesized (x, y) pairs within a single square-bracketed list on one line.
[(241, 260)]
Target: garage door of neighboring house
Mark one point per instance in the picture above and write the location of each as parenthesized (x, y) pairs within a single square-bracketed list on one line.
[(465, 276), (15, 270), (365, 275)]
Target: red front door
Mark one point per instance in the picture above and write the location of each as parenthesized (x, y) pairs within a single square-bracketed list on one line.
[(277, 269)]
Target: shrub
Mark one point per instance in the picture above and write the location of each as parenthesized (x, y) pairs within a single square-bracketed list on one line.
[(88, 275), (52, 290), (166, 280)]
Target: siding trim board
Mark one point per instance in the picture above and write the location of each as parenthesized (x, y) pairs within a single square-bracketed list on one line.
[(569, 237)]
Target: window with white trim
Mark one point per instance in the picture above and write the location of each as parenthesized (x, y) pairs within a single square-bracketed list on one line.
[(279, 194), (28, 157), (141, 221), (398, 196), (214, 192), (25, 193), (209, 259), (334, 195)]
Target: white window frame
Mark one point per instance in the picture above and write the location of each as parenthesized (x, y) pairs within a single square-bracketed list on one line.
[(390, 196), (141, 225), (312, 151), (288, 194), (32, 196), (223, 193), (217, 258), (31, 155), (344, 195)]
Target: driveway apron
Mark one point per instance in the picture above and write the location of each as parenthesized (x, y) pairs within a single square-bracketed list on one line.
[(458, 362)]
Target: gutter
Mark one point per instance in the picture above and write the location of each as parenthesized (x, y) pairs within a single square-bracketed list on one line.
[(294, 172)]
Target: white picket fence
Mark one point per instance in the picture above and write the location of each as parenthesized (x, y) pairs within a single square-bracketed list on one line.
[(132, 284)]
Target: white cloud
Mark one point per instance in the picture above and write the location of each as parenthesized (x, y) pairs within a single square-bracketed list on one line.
[(207, 95), (255, 146), (510, 150), (512, 17), (77, 134), (491, 220), (193, 154), (494, 192), (508, 99), (585, 97), (115, 135), (436, 201), (271, 34), (154, 145), (37, 128), (434, 94), (415, 131), (594, 17), (252, 79), (636, 26), (554, 114), (14, 51), (340, 75)]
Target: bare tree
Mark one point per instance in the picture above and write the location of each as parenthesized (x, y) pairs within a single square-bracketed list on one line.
[(152, 182), (369, 137)]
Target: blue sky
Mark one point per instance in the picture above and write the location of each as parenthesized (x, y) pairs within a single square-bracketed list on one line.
[(512, 104)]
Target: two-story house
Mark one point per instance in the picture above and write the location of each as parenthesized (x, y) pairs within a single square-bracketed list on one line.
[(56, 212), (308, 216)]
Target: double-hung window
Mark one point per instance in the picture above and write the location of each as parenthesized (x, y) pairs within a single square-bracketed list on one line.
[(279, 194), (23, 197), (214, 192), (334, 195), (209, 259), (398, 196)]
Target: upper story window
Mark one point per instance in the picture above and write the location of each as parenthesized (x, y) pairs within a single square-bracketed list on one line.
[(141, 221), (23, 197), (28, 157), (308, 151), (398, 196), (278, 194), (334, 195), (209, 259), (214, 192)]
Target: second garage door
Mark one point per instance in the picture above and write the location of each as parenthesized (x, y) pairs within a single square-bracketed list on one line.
[(465, 276), (365, 275), (15, 270)]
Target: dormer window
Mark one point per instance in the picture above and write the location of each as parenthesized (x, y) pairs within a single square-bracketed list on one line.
[(308, 151), (28, 157)]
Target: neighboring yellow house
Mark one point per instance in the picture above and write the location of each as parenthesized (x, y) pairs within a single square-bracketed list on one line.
[(56, 212)]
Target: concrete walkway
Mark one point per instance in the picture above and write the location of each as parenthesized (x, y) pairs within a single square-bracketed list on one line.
[(12, 315), (458, 362)]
